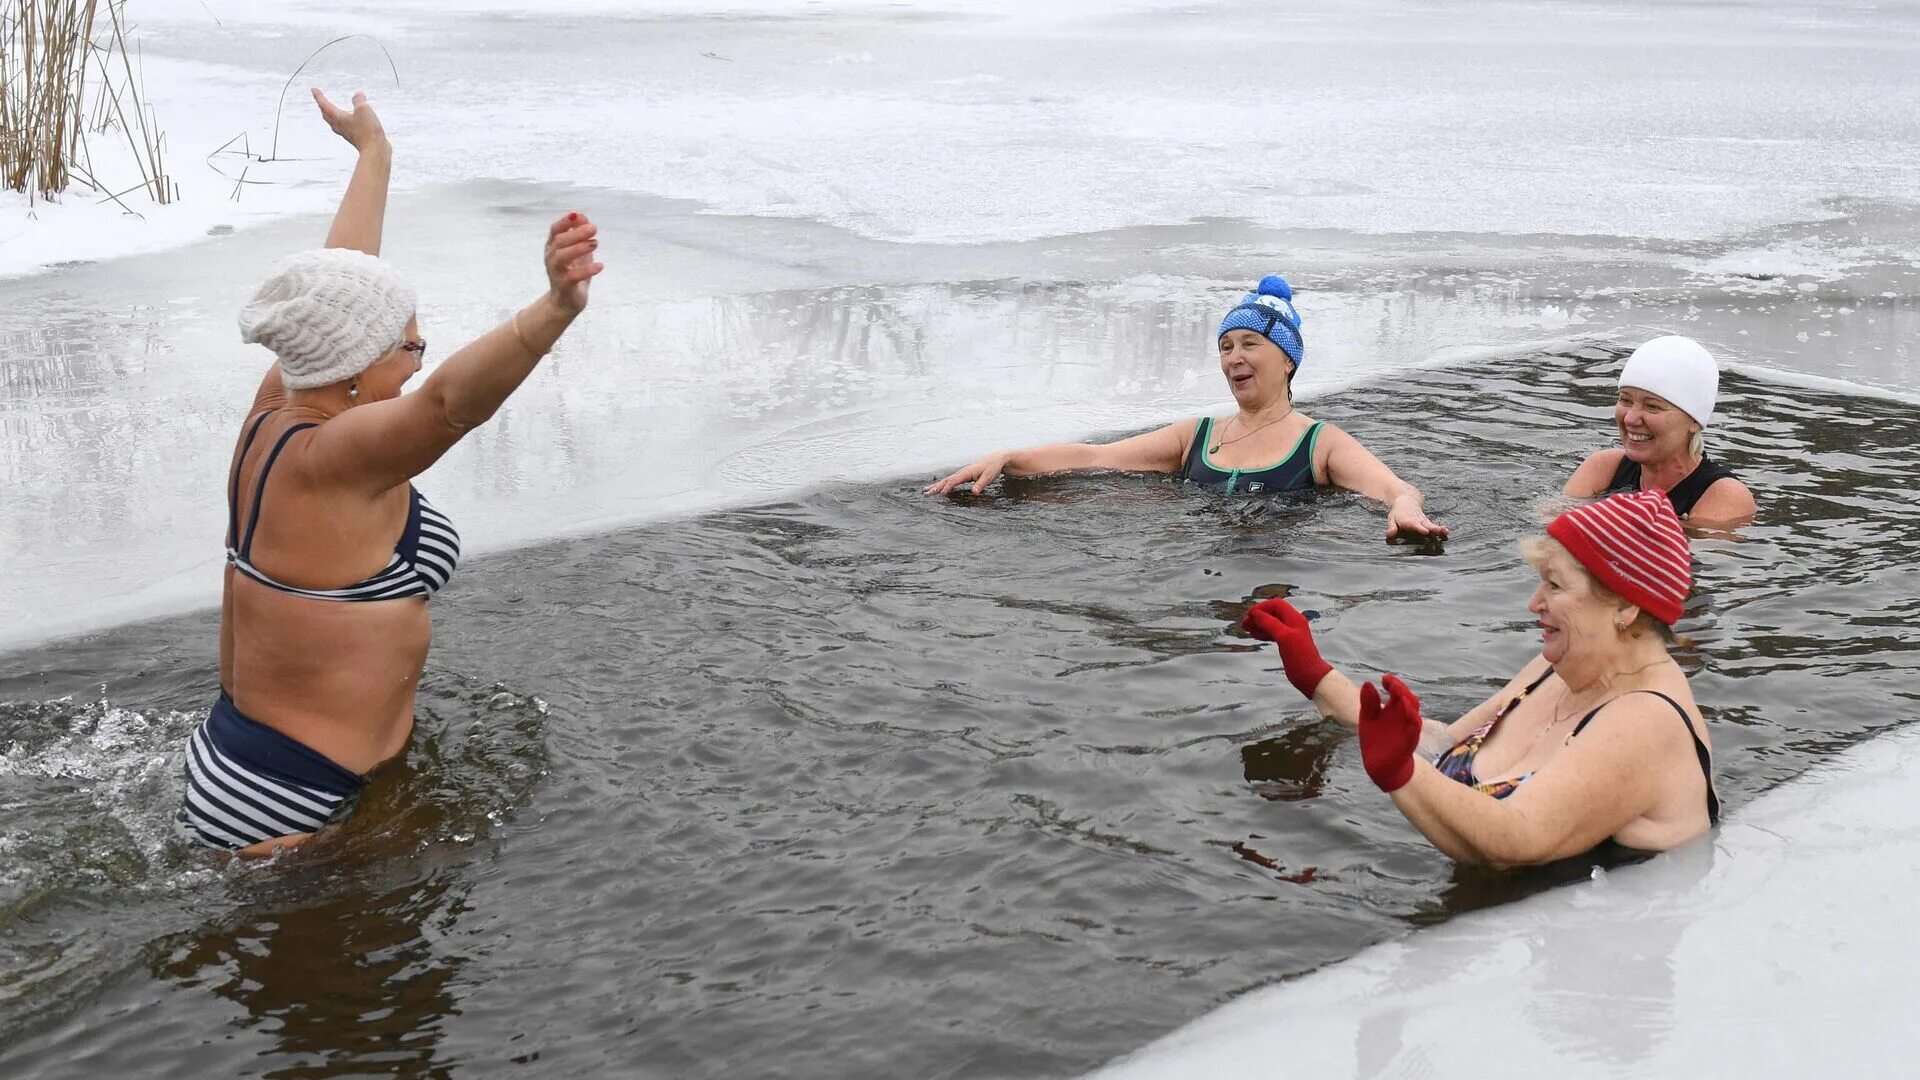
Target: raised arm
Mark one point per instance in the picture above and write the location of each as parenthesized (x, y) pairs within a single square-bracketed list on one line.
[(383, 444), (1155, 451), (363, 211), (1352, 466), (1333, 694)]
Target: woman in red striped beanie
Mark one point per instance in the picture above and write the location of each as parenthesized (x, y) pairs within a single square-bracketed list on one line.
[(1596, 739)]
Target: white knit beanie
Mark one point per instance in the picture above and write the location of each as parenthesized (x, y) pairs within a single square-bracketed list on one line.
[(328, 314), (1676, 368)]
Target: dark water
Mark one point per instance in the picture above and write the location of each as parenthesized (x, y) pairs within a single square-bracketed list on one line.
[(874, 784)]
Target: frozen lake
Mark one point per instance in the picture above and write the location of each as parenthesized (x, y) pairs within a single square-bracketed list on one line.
[(854, 243)]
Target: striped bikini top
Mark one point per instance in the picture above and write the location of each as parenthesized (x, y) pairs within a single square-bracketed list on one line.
[(423, 558)]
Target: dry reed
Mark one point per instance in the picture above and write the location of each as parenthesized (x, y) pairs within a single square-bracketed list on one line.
[(45, 48)]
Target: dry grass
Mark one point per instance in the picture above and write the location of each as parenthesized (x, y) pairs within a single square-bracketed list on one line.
[(52, 52)]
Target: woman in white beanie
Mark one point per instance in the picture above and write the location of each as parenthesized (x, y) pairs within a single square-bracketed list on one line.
[(331, 552), (1667, 390)]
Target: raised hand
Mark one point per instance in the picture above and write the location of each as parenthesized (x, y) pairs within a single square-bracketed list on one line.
[(1278, 622), (361, 128), (1389, 733), (571, 243)]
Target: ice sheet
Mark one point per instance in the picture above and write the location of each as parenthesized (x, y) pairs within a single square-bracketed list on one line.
[(1781, 947)]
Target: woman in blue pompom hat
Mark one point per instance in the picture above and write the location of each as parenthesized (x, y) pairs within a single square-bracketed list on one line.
[(1266, 445)]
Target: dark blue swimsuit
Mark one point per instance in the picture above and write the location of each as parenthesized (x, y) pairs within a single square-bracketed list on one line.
[(1294, 473)]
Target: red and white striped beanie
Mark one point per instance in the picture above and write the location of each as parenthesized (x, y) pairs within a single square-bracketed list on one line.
[(1634, 544)]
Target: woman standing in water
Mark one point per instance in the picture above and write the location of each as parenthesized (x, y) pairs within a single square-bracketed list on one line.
[(1265, 446), (331, 552), (1667, 390), (1597, 739)]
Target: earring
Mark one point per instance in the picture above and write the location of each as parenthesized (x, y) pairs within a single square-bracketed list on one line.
[(353, 390)]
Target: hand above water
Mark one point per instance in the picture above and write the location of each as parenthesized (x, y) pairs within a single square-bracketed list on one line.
[(1278, 621), (571, 243), (1404, 517), (981, 474), (1389, 733), (361, 128)]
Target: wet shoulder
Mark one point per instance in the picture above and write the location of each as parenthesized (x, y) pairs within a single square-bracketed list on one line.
[(1725, 501), (1595, 474), (1663, 713)]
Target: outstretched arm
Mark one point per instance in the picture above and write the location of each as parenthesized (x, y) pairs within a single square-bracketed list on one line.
[(1155, 451), (363, 211), (1352, 466), (1333, 694), (383, 444)]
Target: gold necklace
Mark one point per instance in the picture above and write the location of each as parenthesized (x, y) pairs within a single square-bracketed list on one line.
[(1215, 448), (1605, 684)]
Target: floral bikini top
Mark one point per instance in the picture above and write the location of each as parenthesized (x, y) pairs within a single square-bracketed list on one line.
[(1457, 762)]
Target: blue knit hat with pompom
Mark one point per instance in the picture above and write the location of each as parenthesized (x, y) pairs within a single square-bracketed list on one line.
[(1268, 311)]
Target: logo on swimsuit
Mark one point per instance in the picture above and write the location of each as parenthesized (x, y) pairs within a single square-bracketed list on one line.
[(1256, 488)]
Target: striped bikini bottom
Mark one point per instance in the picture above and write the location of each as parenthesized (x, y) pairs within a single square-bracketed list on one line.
[(247, 783)]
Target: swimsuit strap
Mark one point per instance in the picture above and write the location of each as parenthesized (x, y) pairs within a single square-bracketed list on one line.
[(1200, 432), (1486, 729), (1687, 492), (233, 481), (1699, 747), (260, 488), (1626, 477)]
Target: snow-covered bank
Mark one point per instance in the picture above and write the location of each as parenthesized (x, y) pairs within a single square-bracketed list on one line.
[(976, 121), (1782, 947)]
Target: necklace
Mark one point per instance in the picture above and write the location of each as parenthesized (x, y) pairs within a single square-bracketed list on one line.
[(1605, 685), (1218, 443), (307, 408)]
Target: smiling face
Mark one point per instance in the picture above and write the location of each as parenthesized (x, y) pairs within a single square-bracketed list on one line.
[(389, 374), (1256, 368), (1652, 429), (1574, 613)]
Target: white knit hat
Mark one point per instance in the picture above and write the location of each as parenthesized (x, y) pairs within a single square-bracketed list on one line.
[(1676, 368), (328, 314)]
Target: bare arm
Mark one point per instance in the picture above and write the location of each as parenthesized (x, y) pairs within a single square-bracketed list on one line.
[(1589, 791), (1338, 699), (1154, 451), (383, 444), (362, 216), (1593, 475), (1727, 502), (1352, 466)]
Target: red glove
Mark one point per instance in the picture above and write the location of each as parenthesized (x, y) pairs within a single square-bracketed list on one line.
[(1277, 621), (1389, 733)]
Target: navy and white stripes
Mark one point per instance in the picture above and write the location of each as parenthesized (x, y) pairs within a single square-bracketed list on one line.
[(422, 562), (247, 783), (423, 558)]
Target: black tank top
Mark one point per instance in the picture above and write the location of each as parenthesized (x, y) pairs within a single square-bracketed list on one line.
[(1294, 473), (1626, 477)]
